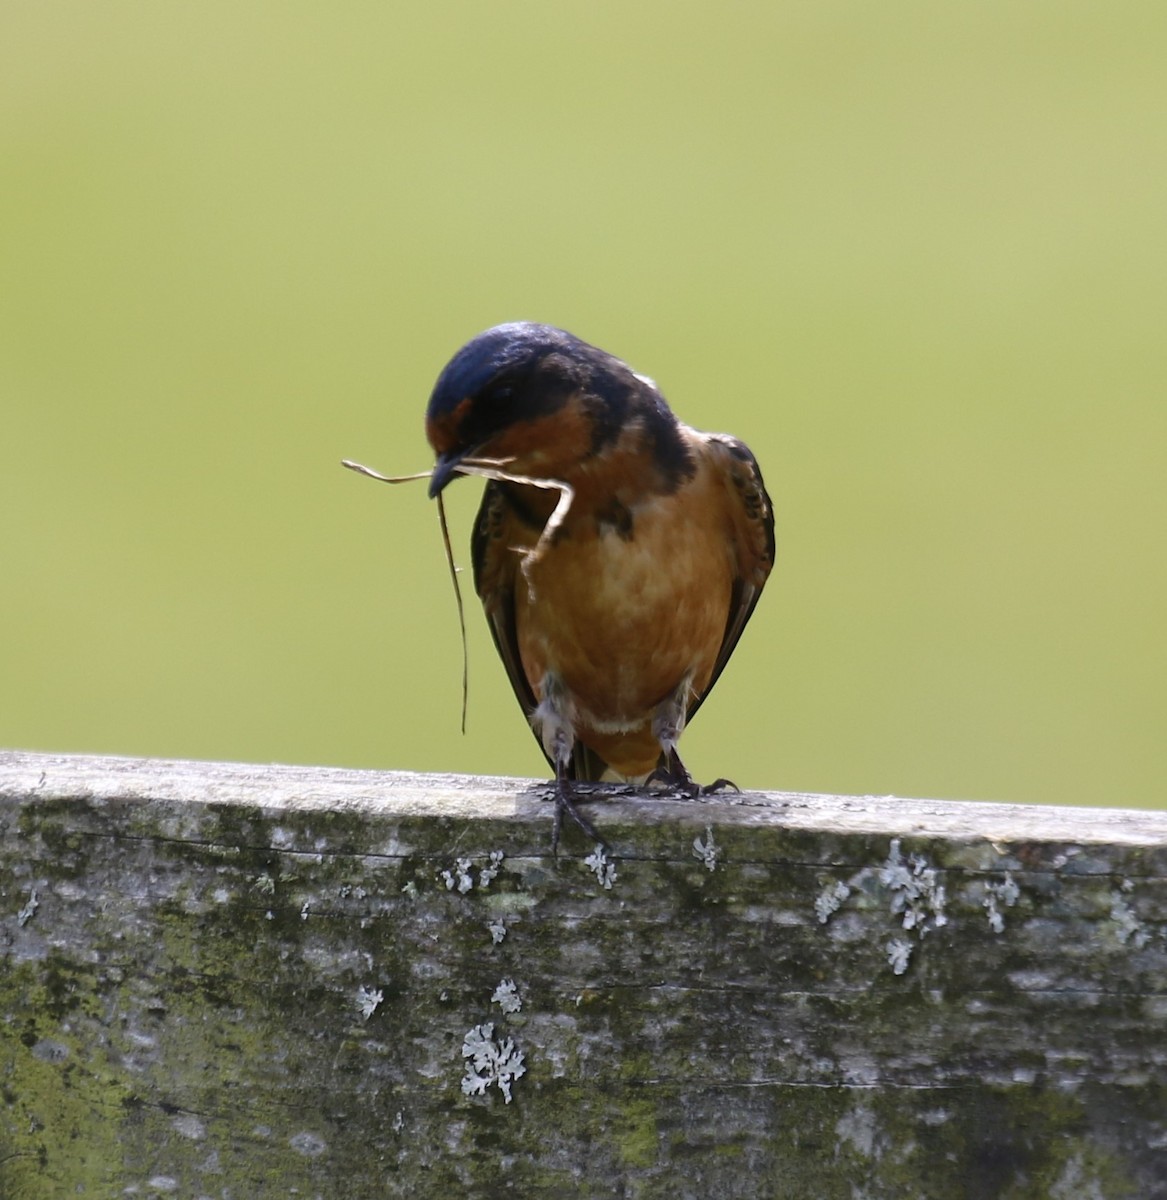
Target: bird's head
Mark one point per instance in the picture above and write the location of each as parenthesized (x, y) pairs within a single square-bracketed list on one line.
[(532, 394)]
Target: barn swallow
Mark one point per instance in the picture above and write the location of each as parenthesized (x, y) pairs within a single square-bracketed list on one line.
[(613, 625)]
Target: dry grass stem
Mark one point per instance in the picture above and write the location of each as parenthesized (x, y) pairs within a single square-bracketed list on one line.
[(486, 468)]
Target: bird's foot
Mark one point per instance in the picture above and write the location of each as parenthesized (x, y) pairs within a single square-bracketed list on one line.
[(679, 780), (718, 785), (565, 803)]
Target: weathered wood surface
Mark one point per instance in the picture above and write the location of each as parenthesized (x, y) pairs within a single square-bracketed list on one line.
[(241, 981)]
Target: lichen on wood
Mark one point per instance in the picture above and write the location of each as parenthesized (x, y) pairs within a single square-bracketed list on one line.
[(261, 981)]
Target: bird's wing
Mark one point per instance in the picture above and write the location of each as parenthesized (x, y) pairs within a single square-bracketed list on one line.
[(751, 535), (495, 568)]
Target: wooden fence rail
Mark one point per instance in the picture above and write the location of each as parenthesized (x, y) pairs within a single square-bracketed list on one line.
[(234, 981)]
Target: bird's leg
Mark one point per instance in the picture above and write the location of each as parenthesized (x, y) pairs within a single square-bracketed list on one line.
[(668, 723), (552, 720), (565, 803)]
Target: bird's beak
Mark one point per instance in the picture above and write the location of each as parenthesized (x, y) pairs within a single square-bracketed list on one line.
[(444, 470)]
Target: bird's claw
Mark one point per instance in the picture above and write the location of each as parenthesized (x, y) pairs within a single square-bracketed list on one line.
[(565, 803), (718, 785), (680, 780)]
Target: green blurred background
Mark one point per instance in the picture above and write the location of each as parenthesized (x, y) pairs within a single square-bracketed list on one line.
[(914, 254)]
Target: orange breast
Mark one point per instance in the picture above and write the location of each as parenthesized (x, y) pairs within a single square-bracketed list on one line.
[(623, 621)]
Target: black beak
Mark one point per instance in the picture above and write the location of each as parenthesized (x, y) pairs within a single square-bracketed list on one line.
[(444, 470)]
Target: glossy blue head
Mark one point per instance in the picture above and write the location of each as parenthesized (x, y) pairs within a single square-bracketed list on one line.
[(501, 352), (545, 401), (510, 376)]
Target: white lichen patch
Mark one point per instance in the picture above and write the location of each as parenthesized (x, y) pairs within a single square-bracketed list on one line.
[(507, 997), (1004, 893), (29, 908), (458, 876), (498, 930), (707, 850), (492, 868), (189, 1125), (51, 1051), (282, 839), (367, 1001), (916, 892), (601, 866), (490, 1062), (857, 1128), (899, 954), (1127, 926), (461, 875), (310, 1144), (917, 898), (1075, 1183), (830, 900)]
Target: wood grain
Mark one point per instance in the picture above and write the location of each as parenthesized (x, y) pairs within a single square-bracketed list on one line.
[(249, 981)]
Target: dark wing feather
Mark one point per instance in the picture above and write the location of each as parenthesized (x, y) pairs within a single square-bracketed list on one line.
[(752, 537), (495, 567)]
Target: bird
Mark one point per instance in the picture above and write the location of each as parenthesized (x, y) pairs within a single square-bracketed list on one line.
[(618, 553)]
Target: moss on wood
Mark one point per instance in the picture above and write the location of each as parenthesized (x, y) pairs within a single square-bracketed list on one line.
[(239, 980)]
